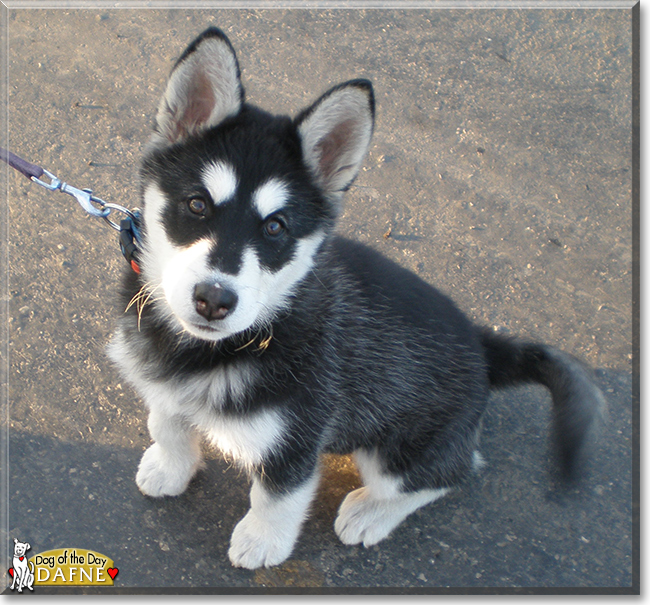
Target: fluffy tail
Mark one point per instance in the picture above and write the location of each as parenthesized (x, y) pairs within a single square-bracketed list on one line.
[(578, 404)]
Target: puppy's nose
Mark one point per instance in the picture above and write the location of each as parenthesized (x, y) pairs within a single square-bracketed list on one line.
[(213, 301)]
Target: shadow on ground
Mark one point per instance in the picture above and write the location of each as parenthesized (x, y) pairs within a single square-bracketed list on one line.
[(510, 526)]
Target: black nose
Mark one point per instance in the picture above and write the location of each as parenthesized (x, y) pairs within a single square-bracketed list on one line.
[(214, 302)]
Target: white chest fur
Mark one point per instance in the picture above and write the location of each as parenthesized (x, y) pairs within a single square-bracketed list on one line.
[(246, 440), (198, 400)]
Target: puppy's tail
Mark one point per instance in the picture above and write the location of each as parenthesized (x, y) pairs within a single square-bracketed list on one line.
[(578, 404)]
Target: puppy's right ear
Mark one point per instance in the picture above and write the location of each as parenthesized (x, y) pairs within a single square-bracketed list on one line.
[(204, 88)]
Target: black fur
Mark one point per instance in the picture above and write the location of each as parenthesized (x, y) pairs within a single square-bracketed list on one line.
[(578, 404), (363, 355), (370, 356), (243, 141)]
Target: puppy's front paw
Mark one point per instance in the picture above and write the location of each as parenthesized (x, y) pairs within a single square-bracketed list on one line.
[(160, 474), (255, 543), (364, 519)]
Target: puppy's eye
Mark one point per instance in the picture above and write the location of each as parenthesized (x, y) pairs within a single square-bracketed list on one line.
[(273, 227), (197, 205)]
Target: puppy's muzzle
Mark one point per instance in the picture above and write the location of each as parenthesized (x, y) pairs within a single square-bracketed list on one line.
[(214, 302)]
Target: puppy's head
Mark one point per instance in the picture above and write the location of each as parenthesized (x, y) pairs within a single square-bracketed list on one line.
[(237, 202)]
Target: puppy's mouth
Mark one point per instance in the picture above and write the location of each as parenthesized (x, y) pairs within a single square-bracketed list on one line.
[(204, 328), (208, 332)]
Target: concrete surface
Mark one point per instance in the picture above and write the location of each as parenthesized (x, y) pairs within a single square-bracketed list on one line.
[(501, 171)]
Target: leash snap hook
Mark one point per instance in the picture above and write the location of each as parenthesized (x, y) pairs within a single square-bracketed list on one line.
[(85, 197)]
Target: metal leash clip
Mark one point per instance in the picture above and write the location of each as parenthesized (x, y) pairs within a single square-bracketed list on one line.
[(85, 197)]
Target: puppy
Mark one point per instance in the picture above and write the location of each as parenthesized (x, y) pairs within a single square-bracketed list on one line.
[(253, 325)]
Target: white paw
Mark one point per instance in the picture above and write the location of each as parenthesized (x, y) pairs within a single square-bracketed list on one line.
[(364, 519), (257, 544), (368, 519), (160, 474)]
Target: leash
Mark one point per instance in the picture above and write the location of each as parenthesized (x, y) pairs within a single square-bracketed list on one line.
[(128, 227)]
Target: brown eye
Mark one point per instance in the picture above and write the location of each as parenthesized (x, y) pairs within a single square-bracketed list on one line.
[(273, 227), (197, 205)]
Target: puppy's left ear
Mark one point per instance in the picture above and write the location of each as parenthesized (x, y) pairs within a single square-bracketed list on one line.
[(204, 88), (335, 134)]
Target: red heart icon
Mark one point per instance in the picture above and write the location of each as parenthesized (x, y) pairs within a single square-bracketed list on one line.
[(112, 571), (11, 572), (21, 558)]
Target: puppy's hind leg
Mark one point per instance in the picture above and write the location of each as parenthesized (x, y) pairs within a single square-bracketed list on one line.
[(170, 463), (370, 513)]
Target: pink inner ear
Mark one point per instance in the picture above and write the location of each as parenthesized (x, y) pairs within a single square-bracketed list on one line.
[(334, 146), (199, 108)]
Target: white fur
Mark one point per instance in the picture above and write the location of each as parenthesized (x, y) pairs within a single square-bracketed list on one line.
[(268, 532), (191, 396), (247, 440), (187, 268), (478, 462), (260, 293), (169, 464), (174, 271), (157, 251), (270, 197), (382, 485), (370, 513), (221, 181), (181, 411), (274, 289)]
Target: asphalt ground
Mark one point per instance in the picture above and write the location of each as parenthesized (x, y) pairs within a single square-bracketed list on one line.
[(501, 171)]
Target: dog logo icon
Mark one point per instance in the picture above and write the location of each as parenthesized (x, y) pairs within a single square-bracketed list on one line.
[(23, 575)]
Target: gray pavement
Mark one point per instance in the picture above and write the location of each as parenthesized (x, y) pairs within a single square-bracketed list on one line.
[(501, 171)]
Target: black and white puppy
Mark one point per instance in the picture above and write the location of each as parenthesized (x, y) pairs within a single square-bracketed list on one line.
[(253, 325)]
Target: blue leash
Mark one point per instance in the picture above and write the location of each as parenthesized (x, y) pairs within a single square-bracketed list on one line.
[(128, 227)]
